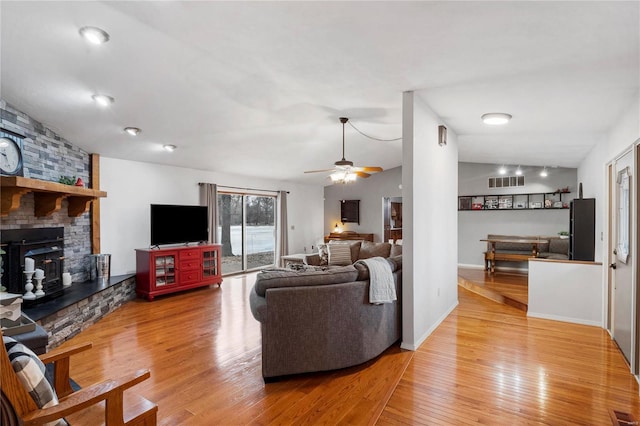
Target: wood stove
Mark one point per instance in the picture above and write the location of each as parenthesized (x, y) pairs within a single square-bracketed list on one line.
[(46, 247)]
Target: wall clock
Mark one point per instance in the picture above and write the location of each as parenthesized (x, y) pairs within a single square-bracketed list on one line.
[(11, 163)]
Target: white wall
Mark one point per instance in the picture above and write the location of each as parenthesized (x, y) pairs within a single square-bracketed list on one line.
[(430, 228), (476, 225), (566, 291), (370, 192), (592, 173), (132, 186)]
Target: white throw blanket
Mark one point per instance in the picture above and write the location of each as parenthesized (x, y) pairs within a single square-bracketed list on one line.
[(382, 289)]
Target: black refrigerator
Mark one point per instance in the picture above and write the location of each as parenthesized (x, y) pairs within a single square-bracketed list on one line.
[(582, 229)]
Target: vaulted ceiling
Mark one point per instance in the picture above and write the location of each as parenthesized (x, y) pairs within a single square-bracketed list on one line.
[(256, 88)]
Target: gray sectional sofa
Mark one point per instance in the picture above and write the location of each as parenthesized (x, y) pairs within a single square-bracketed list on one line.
[(319, 318)]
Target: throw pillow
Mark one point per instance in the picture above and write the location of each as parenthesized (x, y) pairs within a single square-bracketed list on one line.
[(324, 254), (370, 249), (31, 373), (339, 254), (353, 245)]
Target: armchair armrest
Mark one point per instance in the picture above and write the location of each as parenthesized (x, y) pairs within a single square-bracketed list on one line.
[(60, 358), (110, 391)]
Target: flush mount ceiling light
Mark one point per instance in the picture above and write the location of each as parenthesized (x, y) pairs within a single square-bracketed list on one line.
[(169, 148), (94, 35), (103, 100), (133, 131), (544, 173), (496, 118)]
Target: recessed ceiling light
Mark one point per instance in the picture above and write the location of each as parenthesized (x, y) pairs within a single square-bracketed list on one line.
[(170, 148), (133, 131), (94, 35), (103, 100), (496, 118), (544, 173)]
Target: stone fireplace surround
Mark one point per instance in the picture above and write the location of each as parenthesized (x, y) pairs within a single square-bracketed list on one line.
[(48, 156)]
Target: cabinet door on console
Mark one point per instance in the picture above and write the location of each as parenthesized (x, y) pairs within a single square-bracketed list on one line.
[(164, 270)]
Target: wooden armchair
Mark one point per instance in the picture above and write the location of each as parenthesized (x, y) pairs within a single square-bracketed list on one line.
[(102, 403)]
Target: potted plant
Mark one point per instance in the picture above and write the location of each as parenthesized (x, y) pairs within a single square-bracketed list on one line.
[(563, 234)]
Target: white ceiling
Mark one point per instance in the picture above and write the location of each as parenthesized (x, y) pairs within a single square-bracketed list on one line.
[(256, 88)]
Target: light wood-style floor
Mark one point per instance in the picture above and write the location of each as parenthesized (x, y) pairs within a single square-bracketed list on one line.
[(487, 363)]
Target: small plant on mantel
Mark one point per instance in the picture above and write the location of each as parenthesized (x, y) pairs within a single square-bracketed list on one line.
[(66, 180), (563, 234)]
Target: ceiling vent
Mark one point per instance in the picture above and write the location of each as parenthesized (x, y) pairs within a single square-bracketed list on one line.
[(506, 181)]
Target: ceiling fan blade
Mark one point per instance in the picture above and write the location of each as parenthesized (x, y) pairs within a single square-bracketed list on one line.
[(319, 171), (362, 174), (370, 169)]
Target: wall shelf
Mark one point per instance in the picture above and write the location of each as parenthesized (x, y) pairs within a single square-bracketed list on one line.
[(532, 201), (48, 196)]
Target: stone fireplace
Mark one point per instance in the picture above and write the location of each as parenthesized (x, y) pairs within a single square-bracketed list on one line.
[(57, 242), (46, 247)]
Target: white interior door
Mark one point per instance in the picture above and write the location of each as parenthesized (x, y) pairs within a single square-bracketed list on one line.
[(622, 271)]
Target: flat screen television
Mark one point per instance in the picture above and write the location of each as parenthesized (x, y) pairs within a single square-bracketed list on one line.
[(174, 224)]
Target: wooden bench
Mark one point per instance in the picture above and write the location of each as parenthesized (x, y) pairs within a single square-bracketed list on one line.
[(510, 249)]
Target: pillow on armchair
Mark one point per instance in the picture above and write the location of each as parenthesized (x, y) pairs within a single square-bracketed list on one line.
[(31, 373)]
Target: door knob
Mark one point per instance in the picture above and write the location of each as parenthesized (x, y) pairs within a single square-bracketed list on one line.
[(612, 266), (615, 251)]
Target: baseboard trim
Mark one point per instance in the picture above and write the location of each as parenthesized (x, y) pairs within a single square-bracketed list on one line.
[(498, 268), (415, 346), (564, 319), (469, 266)]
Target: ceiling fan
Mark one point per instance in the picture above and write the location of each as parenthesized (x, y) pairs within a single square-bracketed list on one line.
[(344, 171)]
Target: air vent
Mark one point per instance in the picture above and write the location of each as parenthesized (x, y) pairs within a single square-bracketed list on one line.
[(506, 181)]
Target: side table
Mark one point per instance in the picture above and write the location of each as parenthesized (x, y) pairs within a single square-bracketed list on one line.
[(292, 259)]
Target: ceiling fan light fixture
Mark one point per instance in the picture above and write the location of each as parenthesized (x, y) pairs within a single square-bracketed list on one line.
[(496, 118), (94, 35), (344, 171), (343, 177)]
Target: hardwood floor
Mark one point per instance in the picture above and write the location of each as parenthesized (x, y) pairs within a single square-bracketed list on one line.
[(203, 350), (487, 363), (509, 288)]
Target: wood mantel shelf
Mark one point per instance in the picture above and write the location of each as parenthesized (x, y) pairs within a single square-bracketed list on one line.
[(48, 196)]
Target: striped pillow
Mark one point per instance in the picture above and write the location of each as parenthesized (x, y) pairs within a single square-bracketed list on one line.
[(30, 371), (339, 254)]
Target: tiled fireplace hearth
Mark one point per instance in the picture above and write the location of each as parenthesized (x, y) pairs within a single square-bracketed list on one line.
[(63, 313)]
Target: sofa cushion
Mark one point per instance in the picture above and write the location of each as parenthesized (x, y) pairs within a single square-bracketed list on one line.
[(274, 279), (353, 245), (396, 250), (339, 254), (395, 263), (554, 256), (559, 246), (369, 249)]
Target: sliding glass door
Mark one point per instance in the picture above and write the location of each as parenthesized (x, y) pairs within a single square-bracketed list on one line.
[(247, 231)]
